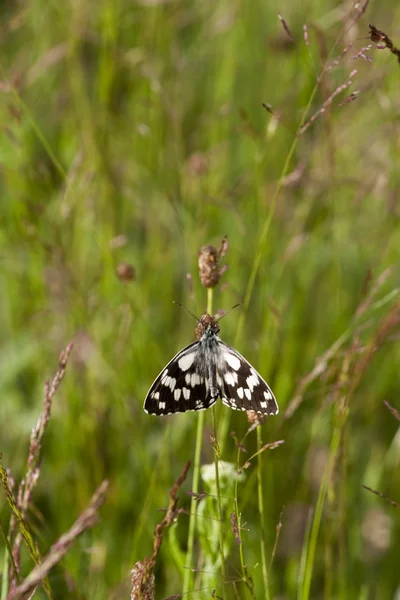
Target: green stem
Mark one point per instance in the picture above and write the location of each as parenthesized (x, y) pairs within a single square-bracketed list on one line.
[(38, 132), (248, 584), (220, 528), (306, 572), (210, 300), (261, 510), (187, 579), (216, 459)]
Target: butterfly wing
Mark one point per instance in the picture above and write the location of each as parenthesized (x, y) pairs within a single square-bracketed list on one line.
[(242, 387), (181, 385)]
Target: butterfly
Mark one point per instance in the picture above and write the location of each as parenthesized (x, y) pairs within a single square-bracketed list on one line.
[(204, 371)]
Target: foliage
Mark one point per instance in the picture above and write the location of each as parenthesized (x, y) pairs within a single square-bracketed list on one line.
[(133, 134)]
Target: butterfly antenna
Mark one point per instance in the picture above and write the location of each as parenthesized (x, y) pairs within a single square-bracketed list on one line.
[(227, 312), (187, 310)]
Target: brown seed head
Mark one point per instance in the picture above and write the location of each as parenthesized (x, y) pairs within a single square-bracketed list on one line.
[(209, 270), (142, 580), (254, 418), (125, 272), (208, 266), (376, 35)]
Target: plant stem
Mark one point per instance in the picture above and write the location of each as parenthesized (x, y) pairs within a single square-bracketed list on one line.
[(261, 511), (311, 545), (220, 529), (245, 579), (187, 579)]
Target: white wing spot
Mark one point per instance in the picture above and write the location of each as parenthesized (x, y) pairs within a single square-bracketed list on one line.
[(263, 404), (199, 403), (169, 382), (252, 381), (161, 405), (187, 378), (195, 380), (248, 393), (186, 393), (232, 361), (219, 380), (177, 394), (186, 361), (231, 378), (268, 395), (156, 395), (240, 393)]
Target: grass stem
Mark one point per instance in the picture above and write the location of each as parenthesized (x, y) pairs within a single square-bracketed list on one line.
[(261, 511), (187, 580)]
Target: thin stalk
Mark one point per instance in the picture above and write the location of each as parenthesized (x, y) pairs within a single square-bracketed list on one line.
[(187, 579), (245, 578), (40, 135), (216, 459), (210, 300), (219, 504), (261, 511), (309, 562)]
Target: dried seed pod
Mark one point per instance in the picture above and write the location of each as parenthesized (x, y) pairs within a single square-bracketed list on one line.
[(126, 272), (254, 418), (235, 528), (143, 583), (208, 266), (209, 270)]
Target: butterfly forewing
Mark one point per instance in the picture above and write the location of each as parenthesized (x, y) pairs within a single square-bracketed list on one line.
[(204, 371), (181, 386), (243, 388)]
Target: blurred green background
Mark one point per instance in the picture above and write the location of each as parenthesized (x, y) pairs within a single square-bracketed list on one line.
[(134, 132)]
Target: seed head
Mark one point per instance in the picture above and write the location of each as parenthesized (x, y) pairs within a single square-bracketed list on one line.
[(208, 266), (125, 272), (209, 269), (255, 418), (142, 580)]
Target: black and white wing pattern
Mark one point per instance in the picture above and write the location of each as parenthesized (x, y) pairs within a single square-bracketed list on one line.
[(242, 387), (181, 386), (205, 371)]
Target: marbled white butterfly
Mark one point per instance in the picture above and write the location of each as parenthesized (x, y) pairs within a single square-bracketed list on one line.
[(204, 371)]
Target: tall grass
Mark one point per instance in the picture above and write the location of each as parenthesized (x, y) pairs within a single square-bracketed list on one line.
[(133, 134)]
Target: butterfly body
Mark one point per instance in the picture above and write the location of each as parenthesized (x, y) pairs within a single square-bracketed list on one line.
[(204, 371)]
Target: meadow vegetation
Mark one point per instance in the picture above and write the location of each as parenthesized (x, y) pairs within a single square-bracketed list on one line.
[(134, 133)]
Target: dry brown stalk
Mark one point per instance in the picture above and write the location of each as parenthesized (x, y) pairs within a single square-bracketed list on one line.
[(86, 520), (142, 576), (30, 480), (393, 410), (321, 363), (328, 102), (383, 41), (382, 495), (285, 27)]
